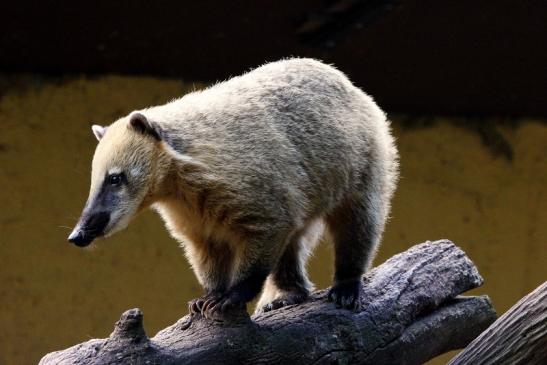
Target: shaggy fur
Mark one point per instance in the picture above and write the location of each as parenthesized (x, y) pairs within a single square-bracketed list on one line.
[(247, 173)]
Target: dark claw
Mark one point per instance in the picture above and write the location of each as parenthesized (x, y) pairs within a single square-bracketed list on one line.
[(194, 306), (208, 303), (198, 305), (213, 304), (213, 308), (346, 294)]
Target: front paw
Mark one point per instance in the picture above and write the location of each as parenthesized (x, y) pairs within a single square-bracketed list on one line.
[(284, 300), (346, 294), (195, 306), (218, 305)]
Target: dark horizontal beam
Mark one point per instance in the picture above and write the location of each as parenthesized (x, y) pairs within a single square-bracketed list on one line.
[(422, 57)]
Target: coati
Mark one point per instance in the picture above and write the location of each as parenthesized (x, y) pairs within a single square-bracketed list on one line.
[(246, 175)]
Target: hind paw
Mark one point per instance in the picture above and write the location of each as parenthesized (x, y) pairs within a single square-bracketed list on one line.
[(346, 294), (286, 299)]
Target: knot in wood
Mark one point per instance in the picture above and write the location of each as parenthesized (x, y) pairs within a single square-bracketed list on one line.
[(130, 326)]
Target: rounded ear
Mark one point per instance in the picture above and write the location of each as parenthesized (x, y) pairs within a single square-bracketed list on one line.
[(141, 124), (98, 131)]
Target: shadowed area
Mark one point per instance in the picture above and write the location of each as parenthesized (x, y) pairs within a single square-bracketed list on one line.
[(414, 56)]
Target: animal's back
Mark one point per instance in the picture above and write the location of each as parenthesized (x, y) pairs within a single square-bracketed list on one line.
[(296, 128)]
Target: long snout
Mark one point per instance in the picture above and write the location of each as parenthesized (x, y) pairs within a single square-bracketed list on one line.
[(90, 226)]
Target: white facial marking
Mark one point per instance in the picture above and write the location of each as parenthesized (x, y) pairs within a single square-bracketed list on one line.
[(114, 170), (119, 220)]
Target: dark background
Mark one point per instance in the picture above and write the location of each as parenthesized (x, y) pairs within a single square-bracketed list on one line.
[(425, 57)]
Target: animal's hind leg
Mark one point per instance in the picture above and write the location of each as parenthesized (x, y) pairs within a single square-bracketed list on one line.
[(355, 226), (289, 284)]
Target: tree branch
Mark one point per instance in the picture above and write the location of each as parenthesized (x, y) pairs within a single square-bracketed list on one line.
[(517, 337), (411, 314)]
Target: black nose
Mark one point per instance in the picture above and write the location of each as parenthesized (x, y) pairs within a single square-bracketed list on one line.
[(91, 226), (79, 238)]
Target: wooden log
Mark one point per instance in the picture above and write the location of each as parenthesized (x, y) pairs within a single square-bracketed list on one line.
[(517, 337), (411, 313)]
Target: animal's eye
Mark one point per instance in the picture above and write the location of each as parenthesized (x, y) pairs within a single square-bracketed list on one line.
[(115, 179)]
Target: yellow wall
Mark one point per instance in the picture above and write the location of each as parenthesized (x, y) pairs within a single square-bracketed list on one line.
[(54, 295)]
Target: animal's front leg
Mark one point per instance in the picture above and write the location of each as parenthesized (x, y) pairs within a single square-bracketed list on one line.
[(213, 264), (253, 256), (252, 264), (244, 290)]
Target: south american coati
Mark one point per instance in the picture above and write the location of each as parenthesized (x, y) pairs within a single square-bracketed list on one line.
[(247, 174)]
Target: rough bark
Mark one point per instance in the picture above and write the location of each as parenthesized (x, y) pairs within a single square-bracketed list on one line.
[(410, 314), (517, 337)]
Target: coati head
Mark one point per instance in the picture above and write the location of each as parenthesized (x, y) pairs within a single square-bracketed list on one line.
[(127, 166)]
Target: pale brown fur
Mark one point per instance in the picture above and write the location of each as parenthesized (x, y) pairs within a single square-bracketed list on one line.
[(246, 173)]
